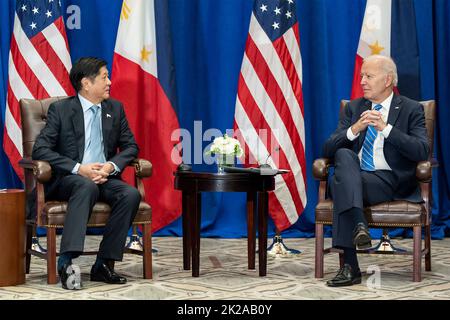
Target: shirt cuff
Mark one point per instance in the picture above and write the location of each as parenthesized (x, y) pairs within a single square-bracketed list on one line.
[(386, 131), (350, 135), (116, 169), (76, 168)]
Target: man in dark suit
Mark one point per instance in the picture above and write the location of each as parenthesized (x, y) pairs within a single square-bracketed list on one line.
[(87, 142), (378, 142)]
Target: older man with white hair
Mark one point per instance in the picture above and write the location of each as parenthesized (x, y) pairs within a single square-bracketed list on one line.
[(378, 142)]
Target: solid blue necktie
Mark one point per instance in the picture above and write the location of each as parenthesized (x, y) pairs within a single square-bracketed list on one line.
[(94, 150), (367, 149)]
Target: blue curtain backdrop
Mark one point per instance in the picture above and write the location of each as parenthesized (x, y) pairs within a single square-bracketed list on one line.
[(209, 36)]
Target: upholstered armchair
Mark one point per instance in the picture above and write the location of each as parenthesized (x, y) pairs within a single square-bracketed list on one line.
[(51, 214), (393, 214)]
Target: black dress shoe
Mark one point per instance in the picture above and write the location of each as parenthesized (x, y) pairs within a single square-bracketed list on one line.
[(345, 277), (361, 237), (70, 276), (104, 273)]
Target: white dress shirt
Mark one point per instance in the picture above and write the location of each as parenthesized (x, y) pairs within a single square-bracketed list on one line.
[(378, 156)]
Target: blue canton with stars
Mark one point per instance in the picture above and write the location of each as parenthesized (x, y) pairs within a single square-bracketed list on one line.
[(275, 16), (35, 16)]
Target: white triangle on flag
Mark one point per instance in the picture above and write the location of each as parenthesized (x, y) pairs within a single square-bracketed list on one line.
[(136, 36)]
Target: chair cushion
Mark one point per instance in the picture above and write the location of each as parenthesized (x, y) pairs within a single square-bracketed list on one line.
[(54, 214), (386, 214)]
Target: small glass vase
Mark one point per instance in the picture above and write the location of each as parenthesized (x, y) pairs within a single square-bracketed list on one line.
[(224, 160)]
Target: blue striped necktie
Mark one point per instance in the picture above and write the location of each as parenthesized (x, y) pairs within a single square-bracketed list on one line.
[(94, 150), (367, 149)]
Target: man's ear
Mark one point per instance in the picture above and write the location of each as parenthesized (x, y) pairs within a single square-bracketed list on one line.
[(388, 81), (85, 83)]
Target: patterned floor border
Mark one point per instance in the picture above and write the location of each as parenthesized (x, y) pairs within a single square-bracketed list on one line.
[(224, 276)]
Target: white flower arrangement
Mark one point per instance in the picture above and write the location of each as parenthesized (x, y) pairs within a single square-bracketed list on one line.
[(226, 146)]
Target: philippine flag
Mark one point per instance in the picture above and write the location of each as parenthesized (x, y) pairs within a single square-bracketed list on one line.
[(389, 29), (143, 78)]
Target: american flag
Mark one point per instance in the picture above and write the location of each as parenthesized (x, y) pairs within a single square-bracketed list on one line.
[(269, 106), (39, 65)]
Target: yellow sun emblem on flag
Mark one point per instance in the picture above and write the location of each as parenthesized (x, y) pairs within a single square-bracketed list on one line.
[(376, 48), (145, 54)]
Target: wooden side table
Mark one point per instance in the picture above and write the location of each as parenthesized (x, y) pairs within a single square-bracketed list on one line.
[(192, 184), (12, 237)]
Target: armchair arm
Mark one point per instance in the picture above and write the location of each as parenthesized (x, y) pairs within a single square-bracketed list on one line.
[(423, 174), (42, 170), (320, 168), (143, 168), (423, 171)]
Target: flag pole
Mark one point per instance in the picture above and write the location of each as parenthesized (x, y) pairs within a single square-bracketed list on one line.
[(135, 241), (385, 244), (35, 245), (279, 249)]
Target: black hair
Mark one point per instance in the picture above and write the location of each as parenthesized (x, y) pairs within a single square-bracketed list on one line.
[(86, 67)]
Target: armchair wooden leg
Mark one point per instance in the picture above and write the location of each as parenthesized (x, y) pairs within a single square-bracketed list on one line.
[(147, 251), (319, 251), (417, 254), (29, 236), (428, 247), (51, 256)]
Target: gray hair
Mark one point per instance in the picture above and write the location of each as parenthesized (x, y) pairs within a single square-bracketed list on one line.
[(387, 65)]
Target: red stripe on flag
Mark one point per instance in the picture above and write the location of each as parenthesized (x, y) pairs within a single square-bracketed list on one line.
[(152, 120), (248, 159), (275, 208), (59, 24), (257, 118), (13, 154), (26, 74), (276, 95), (289, 67), (297, 34), (13, 105), (52, 61), (276, 211)]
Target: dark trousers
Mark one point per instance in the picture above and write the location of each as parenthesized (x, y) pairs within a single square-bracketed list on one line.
[(352, 189), (82, 194)]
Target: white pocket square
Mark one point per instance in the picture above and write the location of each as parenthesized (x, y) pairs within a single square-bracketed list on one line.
[(108, 115)]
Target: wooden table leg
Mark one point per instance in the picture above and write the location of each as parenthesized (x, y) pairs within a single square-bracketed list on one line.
[(196, 206), (263, 203), (186, 232), (251, 231)]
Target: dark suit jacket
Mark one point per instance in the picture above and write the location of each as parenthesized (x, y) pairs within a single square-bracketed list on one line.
[(406, 145), (61, 141)]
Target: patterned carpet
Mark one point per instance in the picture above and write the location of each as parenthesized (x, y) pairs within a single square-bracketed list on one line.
[(224, 275)]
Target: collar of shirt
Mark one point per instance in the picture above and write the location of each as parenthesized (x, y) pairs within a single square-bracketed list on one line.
[(386, 104), (86, 104)]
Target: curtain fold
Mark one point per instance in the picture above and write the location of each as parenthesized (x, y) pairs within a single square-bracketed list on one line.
[(208, 42)]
